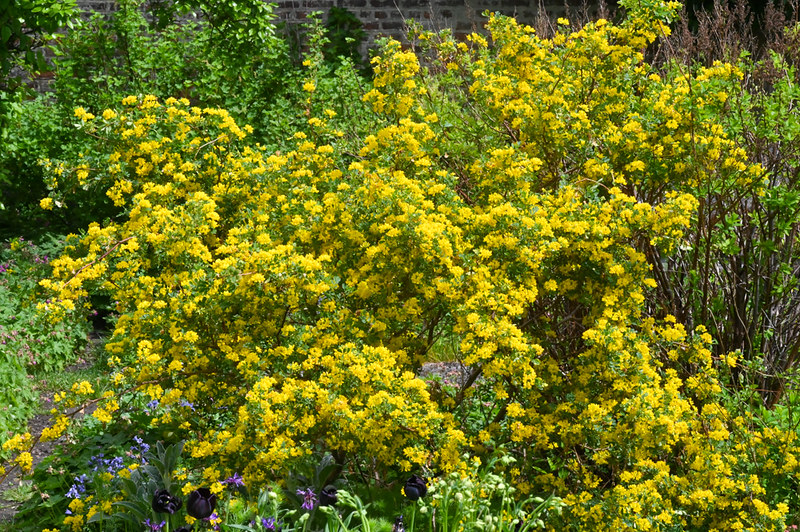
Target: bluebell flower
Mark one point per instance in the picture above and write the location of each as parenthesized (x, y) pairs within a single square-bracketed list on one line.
[(140, 446), (151, 406), (115, 464), (78, 487)]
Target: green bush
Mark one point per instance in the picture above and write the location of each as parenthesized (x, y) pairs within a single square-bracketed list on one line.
[(526, 201), (30, 345), (228, 56)]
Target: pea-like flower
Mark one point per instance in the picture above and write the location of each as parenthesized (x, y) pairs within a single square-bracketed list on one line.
[(415, 488), (201, 503), (166, 503)]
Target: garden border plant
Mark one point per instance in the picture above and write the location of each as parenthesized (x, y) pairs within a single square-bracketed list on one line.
[(274, 306)]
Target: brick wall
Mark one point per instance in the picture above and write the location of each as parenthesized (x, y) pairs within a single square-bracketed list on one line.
[(387, 17)]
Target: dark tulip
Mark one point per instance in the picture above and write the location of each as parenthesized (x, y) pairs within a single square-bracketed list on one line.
[(166, 503), (398, 525), (201, 503), (415, 488), (184, 528), (328, 497)]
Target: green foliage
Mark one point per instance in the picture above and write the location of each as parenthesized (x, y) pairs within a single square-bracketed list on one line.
[(567, 219), (29, 343), (277, 304), (482, 499), (36, 130), (18, 398), (220, 54), (738, 273), (25, 26), (345, 32), (86, 453)]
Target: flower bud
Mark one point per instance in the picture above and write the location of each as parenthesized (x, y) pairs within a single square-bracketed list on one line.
[(165, 503), (415, 488), (328, 496), (201, 503)]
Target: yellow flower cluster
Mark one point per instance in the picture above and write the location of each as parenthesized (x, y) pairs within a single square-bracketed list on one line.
[(279, 305)]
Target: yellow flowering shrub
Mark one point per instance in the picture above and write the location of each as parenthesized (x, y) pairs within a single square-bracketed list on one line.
[(279, 305)]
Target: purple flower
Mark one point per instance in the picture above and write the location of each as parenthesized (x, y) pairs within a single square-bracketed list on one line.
[(328, 496), (78, 487), (154, 526), (201, 503), (151, 406), (415, 487), (309, 499), (268, 523), (115, 464), (166, 503), (140, 446), (235, 480)]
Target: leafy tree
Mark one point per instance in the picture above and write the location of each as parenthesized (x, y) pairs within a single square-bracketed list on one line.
[(25, 27)]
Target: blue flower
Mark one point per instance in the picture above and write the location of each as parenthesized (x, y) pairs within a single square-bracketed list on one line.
[(77, 488), (269, 524)]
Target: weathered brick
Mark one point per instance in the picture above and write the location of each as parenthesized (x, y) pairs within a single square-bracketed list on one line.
[(393, 25)]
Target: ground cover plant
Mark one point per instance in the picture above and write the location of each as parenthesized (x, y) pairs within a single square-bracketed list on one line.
[(523, 199)]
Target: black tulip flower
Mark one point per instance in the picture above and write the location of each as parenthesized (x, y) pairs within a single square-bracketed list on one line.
[(184, 528), (328, 497), (166, 503), (201, 503), (415, 487)]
